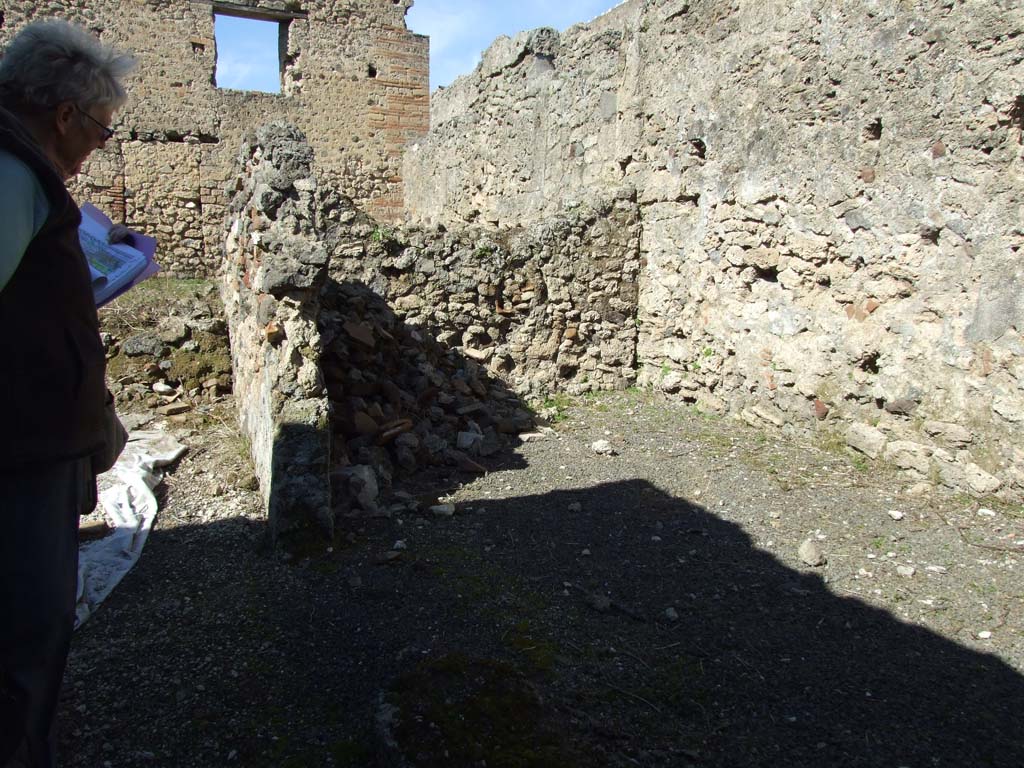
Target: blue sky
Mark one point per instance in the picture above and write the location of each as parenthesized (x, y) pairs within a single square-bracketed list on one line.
[(459, 32), (247, 54)]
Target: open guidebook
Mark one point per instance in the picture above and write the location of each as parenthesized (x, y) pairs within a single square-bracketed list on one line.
[(115, 267)]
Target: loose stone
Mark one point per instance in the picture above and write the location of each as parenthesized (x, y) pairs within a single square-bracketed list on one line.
[(811, 554)]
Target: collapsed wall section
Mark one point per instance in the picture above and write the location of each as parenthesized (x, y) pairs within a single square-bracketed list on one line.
[(829, 197), (352, 77)]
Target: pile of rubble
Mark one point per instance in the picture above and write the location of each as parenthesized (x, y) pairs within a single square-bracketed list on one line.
[(400, 400)]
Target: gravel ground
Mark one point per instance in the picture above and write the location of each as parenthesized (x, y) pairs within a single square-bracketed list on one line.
[(647, 608)]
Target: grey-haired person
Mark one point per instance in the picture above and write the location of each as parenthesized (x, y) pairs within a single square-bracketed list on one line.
[(59, 89)]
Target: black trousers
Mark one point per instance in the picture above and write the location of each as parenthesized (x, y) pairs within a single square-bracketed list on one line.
[(39, 512)]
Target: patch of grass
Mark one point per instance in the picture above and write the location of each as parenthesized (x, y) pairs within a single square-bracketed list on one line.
[(162, 288), (831, 441), (554, 406), (210, 359)]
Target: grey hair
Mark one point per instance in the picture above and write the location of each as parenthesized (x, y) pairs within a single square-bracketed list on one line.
[(51, 62)]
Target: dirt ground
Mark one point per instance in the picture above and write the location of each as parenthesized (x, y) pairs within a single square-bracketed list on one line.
[(647, 608)]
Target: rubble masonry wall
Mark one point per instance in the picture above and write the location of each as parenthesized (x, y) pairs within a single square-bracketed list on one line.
[(830, 199)]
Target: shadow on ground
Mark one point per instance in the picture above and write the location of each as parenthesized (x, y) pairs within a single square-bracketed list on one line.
[(547, 617)]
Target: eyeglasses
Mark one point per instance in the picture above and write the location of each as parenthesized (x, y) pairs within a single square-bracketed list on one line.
[(106, 131)]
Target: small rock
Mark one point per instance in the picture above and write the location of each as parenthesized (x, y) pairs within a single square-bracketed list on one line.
[(362, 484), (361, 332), (900, 407), (400, 545), (919, 489), (585, 553), (274, 332), (906, 571), (443, 510), (866, 439), (469, 441), (811, 554), (980, 481), (173, 331), (671, 614), (984, 635), (163, 388), (983, 512), (174, 409), (142, 344), (466, 464), (896, 514), (575, 507), (602, 448), (364, 423), (820, 410)]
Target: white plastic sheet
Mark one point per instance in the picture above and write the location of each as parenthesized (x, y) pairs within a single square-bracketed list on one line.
[(126, 495)]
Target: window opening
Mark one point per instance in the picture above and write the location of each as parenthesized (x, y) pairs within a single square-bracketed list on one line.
[(249, 53)]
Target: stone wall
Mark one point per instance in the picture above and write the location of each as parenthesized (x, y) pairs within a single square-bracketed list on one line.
[(829, 195), (546, 308), (353, 78), (275, 266)]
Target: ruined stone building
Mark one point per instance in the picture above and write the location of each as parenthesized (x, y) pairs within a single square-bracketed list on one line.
[(352, 76), (805, 215)]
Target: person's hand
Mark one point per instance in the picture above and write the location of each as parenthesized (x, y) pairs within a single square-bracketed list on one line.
[(119, 233)]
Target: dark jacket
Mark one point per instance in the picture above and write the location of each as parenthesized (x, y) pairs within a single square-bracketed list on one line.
[(52, 361)]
